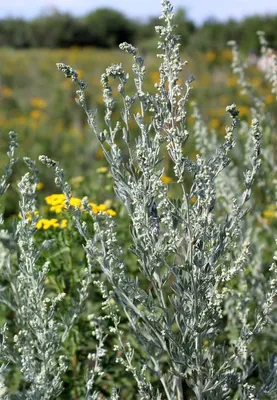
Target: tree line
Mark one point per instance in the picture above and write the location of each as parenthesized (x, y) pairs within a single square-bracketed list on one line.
[(106, 28)]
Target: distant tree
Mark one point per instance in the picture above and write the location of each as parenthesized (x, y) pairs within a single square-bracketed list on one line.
[(213, 35), (147, 30), (249, 26), (54, 30), (107, 28), (15, 32), (185, 27)]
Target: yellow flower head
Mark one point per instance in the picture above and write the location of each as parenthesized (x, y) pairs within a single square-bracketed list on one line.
[(210, 56), (45, 223), (193, 200), (29, 215), (6, 91), (271, 98), (57, 209), (102, 207), (75, 202), (270, 212), (55, 199), (111, 212), (166, 179), (38, 102), (102, 170), (214, 123), (232, 81), (63, 223), (35, 114), (40, 185)]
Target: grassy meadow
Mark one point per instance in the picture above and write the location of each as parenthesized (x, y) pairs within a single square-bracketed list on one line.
[(39, 104)]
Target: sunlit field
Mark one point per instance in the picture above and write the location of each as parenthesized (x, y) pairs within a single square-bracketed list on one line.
[(38, 104)]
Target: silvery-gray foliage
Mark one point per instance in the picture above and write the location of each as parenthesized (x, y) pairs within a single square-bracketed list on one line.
[(12, 160), (266, 51), (41, 328), (187, 253), (258, 108), (6, 240), (37, 344)]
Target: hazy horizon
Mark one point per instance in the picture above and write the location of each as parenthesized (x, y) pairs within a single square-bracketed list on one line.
[(198, 10)]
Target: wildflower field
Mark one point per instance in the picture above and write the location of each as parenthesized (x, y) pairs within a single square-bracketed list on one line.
[(138, 242), (36, 103)]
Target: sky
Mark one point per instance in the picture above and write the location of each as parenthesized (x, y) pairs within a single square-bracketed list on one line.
[(198, 10)]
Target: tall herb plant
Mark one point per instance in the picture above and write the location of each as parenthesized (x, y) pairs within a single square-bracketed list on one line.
[(191, 251)]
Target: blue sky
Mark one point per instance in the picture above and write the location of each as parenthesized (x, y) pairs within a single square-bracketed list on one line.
[(198, 10)]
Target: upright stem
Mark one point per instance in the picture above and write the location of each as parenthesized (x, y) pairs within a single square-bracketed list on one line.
[(180, 395), (165, 389), (199, 361)]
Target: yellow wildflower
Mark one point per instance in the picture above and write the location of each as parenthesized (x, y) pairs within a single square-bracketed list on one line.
[(99, 154), (3, 121), (57, 209), (54, 222), (29, 215), (270, 212), (55, 199), (191, 119), (35, 114), (6, 91), (111, 212), (94, 207), (166, 179), (45, 223), (40, 185), (226, 55), (243, 111), (231, 81), (256, 81), (271, 98), (38, 102), (75, 202), (102, 207), (210, 56), (63, 223), (102, 170), (215, 123), (155, 76)]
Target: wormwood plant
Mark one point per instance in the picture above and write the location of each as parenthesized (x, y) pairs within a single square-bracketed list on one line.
[(191, 251)]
